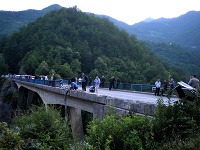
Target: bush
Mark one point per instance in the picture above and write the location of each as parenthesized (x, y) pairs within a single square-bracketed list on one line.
[(9, 139), (118, 132), (43, 129), (178, 120), (191, 143)]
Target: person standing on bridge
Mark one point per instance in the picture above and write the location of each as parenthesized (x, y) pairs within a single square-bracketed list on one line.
[(84, 81), (164, 87), (194, 82), (53, 80), (172, 86), (97, 83), (158, 85), (112, 82), (102, 81)]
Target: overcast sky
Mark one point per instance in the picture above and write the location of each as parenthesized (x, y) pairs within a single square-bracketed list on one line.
[(129, 11)]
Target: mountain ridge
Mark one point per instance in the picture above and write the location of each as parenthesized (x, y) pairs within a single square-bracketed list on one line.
[(12, 21), (168, 30)]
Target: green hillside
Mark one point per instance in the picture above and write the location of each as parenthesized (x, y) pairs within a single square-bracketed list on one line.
[(12, 21), (70, 42), (177, 56)]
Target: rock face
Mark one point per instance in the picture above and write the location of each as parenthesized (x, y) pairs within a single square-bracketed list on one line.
[(5, 113), (8, 100)]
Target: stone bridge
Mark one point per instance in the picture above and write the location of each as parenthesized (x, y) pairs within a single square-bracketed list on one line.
[(75, 101)]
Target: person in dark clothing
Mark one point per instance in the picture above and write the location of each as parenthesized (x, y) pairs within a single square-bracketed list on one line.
[(164, 87), (90, 81), (172, 86), (54, 82), (102, 81), (118, 83), (84, 80), (112, 82), (73, 79)]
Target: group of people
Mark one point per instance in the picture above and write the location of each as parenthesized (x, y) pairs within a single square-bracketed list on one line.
[(164, 87), (97, 82), (194, 82), (83, 80)]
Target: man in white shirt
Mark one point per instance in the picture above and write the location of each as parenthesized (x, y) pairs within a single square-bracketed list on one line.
[(158, 85)]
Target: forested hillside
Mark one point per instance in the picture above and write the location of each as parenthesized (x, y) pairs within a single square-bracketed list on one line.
[(11, 21), (70, 42), (177, 56), (176, 40)]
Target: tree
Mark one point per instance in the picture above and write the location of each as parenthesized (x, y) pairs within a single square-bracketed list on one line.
[(64, 70), (3, 66), (75, 66), (100, 65), (94, 73), (43, 69), (30, 63)]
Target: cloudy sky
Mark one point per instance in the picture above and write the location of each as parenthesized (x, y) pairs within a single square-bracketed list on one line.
[(129, 11)]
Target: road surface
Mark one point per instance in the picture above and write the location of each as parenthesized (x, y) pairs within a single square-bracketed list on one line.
[(135, 96)]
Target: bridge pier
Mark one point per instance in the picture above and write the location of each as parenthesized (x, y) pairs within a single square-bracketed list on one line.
[(25, 98), (29, 99), (76, 123), (22, 97)]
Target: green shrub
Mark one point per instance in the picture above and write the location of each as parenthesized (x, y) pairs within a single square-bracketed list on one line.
[(178, 120), (118, 132), (191, 143), (43, 129), (9, 139)]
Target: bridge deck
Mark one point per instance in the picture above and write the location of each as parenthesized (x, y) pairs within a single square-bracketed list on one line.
[(135, 96)]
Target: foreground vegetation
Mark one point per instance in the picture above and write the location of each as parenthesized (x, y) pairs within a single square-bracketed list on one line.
[(38, 130), (172, 127)]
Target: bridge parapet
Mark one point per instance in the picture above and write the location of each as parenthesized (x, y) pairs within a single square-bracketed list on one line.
[(118, 104)]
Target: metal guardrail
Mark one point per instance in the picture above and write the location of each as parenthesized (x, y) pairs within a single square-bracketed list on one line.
[(120, 86)]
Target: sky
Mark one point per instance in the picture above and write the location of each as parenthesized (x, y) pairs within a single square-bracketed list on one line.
[(128, 11)]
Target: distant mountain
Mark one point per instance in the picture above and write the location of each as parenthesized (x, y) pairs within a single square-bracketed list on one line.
[(148, 19), (11, 21), (183, 30)]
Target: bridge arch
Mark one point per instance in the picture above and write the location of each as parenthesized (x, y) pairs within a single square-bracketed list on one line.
[(27, 98)]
